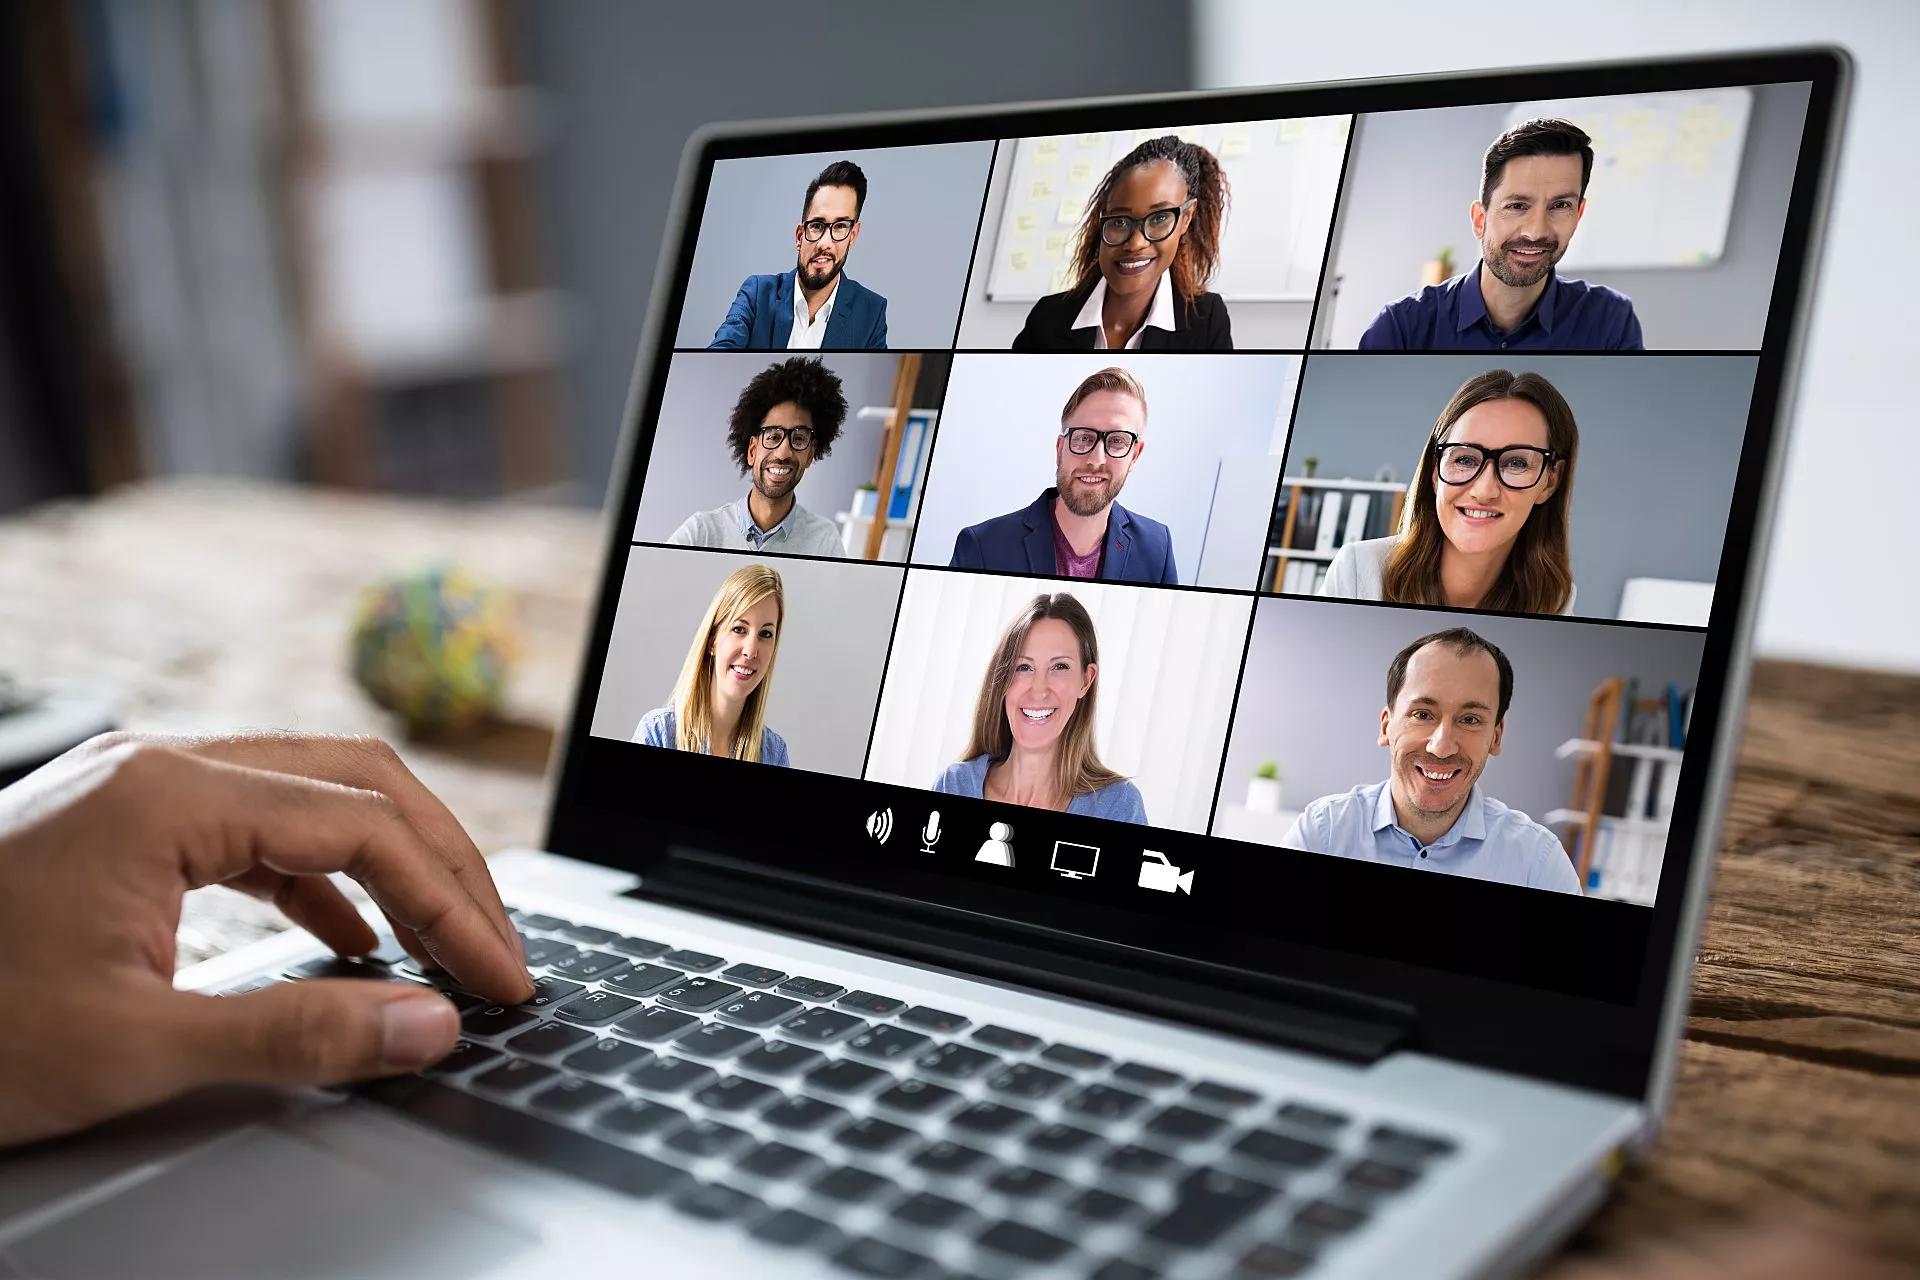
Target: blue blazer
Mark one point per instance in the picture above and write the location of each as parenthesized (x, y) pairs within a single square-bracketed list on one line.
[(1138, 549), (761, 317)]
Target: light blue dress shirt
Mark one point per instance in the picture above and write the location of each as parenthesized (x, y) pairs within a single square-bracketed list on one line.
[(1488, 840), (1117, 801), (656, 729)]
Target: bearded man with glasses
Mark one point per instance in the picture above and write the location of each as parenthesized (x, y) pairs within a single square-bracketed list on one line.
[(1075, 529), (816, 305)]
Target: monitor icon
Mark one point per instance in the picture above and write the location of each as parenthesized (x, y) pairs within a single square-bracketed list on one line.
[(1157, 873), (1075, 861)]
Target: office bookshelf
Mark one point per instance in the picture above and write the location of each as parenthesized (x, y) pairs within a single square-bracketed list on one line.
[(1298, 488)]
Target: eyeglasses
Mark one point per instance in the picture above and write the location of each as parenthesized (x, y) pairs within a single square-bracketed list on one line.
[(801, 438), (814, 228), (1117, 228), (1118, 444), (1518, 466)]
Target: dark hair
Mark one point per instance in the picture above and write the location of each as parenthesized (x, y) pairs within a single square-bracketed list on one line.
[(841, 173), (1536, 138), (1199, 248), (807, 383), (1460, 640)]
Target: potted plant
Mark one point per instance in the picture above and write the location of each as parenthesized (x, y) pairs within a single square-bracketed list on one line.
[(866, 501), (1263, 788)]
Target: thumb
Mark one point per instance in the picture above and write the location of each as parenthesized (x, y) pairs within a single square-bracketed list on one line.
[(316, 1032)]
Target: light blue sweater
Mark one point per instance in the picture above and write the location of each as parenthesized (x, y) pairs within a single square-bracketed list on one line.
[(656, 729), (1117, 801)]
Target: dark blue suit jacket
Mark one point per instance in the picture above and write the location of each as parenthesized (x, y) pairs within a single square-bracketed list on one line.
[(1138, 549), (761, 317)]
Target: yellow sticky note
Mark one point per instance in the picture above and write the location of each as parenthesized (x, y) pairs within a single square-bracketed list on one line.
[(1292, 131), (1041, 191), (1026, 223), (1089, 140), (1080, 172), (1046, 147), (1019, 260), (1054, 244), (1235, 142), (1069, 213)]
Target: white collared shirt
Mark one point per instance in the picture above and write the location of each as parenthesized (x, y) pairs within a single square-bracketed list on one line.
[(1159, 315), (805, 336)]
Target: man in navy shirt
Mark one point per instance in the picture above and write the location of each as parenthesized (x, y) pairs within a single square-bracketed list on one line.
[(1533, 191)]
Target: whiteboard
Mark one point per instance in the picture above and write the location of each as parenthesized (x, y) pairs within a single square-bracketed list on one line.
[(1665, 169), (1282, 176)]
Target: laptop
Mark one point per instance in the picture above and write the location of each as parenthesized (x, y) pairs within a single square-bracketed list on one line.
[(1169, 874)]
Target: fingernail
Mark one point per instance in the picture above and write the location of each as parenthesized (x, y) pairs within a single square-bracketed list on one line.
[(417, 1030)]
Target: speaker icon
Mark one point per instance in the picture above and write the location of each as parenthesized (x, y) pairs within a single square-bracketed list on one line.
[(880, 825)]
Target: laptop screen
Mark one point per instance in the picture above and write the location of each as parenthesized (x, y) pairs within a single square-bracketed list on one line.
[(1244, 528)]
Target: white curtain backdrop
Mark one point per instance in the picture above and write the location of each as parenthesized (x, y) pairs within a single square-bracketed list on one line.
[(1168, 664)]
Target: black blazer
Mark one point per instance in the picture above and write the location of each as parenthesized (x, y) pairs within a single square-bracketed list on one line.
[(1199, 324)]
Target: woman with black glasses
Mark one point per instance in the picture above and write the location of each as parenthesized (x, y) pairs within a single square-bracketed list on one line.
[(1147, 247), (1486, 526)]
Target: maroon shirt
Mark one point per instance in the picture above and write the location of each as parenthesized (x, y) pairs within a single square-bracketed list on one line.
[(1065, 562)]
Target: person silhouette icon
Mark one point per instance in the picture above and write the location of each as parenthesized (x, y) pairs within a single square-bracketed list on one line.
[(996, 849)]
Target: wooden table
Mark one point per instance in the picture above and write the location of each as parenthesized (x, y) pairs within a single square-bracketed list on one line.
[(221, 605)]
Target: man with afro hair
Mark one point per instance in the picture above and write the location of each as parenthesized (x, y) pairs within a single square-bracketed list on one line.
[(788, 416)]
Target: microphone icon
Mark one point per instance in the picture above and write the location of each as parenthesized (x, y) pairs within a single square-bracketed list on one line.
[(930, 834)]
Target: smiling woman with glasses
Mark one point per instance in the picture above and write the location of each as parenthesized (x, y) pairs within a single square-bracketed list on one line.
[(1147, 246), (1486, 525)]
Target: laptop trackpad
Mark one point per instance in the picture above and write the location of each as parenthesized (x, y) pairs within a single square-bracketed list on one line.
[(263, 1202)]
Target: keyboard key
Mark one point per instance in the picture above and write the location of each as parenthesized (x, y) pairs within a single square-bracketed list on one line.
[(1061, 1141), (758, 1009), (1184, 1125), (1024, 1184), (916, 1098), (792, 1229), (644, 979), (1268, 1147), (514, 1075), (596, 1008), (1137, 1162), (846, 1077), (546, 924), (340, 967), (945, 1159), (1073, 1058), (1024, 1080), (547, 950), (1378, 1176), (776, 1162), (753, 975), (885, 1043), (801, 1115), (956, 1062), (848, 1186), (655, 1026), (712, 1202), (588, 965), (1100, 1206), (572, 1097), (928, 1018), (988, 1119), (1208, 1205), (930, 1211), (465, 1056), (607, 1057), (693, 961), (462, 1001), (697, 994), (716, 1041), (877, 1258), (810, 988), (636, 1118), (705, 1139), (870, 1004), (1222, 1097), (821, 1026), (639, 948), (872, 1135), (735, 1094), (1385, 1140), (1146, 1077), (493, 1020), (549, 1041), (1003, 1038), (1324, 1217), (1103, 1102), (549, 991), (669, 1075), (592, 935), (778, 1058), (1028, 1244), (1274, 1262), (1318, 1119), (1123, 1269)]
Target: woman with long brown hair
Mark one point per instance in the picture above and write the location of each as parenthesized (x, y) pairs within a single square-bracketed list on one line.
[(1147, 247), (1032, 737), (719, 703), (1486, 525)]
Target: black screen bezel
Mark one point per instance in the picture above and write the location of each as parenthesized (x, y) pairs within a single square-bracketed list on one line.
[(1600, 1039)]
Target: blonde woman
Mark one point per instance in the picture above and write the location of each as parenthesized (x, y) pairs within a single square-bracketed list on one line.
[(719, 704), (1032, 740), (1486, 527)]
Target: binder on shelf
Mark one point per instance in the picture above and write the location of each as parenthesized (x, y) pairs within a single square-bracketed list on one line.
[(1328, 529), (1357, 508)]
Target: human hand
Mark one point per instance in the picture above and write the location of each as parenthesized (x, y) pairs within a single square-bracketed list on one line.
[(97, 849)]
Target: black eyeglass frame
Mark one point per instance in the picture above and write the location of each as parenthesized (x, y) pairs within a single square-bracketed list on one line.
[(785, 435), (828, 228), (1547, 458), (1133, 438), (1132, 222)]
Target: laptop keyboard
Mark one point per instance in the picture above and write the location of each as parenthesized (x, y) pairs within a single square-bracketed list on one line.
[(894, 1139)]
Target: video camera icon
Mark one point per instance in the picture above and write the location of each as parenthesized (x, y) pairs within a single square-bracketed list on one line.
[(1162, 876)]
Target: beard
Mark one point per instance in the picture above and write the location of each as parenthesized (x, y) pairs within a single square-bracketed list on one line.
[(1522, 277), (1081, 503), (773, 490), (813, 277)]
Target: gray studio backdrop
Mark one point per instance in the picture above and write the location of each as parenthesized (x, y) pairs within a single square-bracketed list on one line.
[(691, 467), (1316, 679), (916, 234), (1215, 432), (1660, 438), (1412, 175), (826, 679)]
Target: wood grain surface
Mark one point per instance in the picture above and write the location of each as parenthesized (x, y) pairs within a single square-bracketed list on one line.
[(214, 606)]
